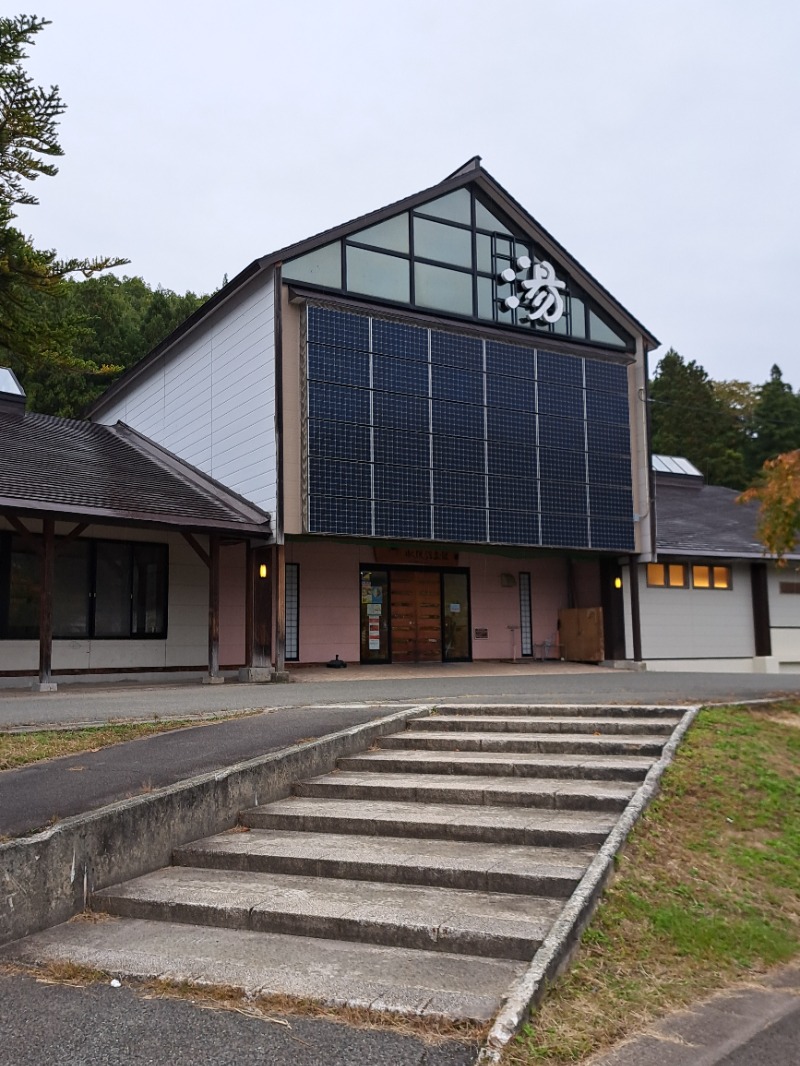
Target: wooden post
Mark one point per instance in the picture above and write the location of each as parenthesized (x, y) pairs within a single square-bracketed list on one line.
[(213, 610), (249, 604), (47, 581), (636, 613), (280, 608), (761, 625)]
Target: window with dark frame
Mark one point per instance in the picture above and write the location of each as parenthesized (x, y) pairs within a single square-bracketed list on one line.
[(448, 255), (667, 575), (676, 575), (711, 577), (104, 589)]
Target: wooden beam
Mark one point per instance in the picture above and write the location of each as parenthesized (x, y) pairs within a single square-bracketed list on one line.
[(213, 606), (249, 601), (636, 612), (30, 538), (76, 532), (197, 548), (759, 584), (47, 580), (280, 607)]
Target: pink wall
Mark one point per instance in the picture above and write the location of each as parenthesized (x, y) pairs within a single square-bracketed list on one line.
[(329, 603), (232, 560)]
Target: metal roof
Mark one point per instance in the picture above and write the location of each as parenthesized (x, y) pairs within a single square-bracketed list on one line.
[(470, 173), (61, 466)]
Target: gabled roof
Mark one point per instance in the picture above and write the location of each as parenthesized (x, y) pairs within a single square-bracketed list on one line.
[(705, 521), (82, 470), (471, 173)]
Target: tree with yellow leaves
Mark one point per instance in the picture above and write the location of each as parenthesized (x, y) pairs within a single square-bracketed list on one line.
[(778, 493)]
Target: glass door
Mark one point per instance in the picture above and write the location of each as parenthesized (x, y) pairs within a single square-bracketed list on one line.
[(455, 615), (374, 616)]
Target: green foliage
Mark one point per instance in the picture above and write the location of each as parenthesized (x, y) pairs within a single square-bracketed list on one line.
[(689, 419), (775, 426), (113, 323), (32, 341), (726, 428)]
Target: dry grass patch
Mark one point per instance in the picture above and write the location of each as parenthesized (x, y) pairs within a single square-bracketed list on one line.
[(275, 1009), (707, 892), (21, 749)]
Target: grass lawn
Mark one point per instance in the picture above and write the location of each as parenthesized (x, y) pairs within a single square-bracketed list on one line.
[(707, 892), (19, 749)]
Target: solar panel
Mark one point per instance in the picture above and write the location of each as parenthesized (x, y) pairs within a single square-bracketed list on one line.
[(430, 434)]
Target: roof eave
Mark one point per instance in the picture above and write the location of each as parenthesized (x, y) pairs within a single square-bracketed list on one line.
[(138, 519)]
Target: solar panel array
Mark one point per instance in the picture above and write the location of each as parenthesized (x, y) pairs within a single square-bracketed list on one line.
[(427, 434)]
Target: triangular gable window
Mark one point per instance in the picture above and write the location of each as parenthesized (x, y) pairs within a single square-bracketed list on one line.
[(455, 255)]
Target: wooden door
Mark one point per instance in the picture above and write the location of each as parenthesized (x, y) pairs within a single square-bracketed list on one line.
[(416, 616)]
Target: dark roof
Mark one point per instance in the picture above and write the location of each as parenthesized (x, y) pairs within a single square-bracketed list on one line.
[(470, 173), (82, 470), (704, 520)]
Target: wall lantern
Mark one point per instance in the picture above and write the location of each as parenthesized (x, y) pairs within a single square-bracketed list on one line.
[(617, 582), (262, 570)]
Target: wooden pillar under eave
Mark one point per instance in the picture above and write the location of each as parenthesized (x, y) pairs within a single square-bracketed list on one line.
[(636, 611), (214, 677), (280, 609), (47, 581)]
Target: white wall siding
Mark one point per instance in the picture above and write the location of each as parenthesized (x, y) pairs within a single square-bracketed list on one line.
[(186, 644), (211, 398), (784, 607), (698, 624)]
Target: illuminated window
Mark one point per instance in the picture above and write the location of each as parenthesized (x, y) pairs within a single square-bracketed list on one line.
[(711, 577), (666, 575)]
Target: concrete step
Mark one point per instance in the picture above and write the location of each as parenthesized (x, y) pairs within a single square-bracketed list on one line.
[(340, 973), (518, 723), (396, 860), (409, 916), (547, 743), (502, 764), (498, 825), (558, 794), (547, 710)]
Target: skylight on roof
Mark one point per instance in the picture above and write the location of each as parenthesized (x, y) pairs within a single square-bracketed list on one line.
[(674, 464), (9, 386)]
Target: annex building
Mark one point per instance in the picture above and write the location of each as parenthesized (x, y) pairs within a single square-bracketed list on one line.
[(429, 429)]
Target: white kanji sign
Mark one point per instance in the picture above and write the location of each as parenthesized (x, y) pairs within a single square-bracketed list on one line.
[(538, 294)]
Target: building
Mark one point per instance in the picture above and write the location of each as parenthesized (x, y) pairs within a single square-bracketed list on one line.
[(445, 417), (443, 411), (710, 600)]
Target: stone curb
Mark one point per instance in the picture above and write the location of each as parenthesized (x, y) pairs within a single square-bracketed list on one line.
[(564, 937), (47, 878)]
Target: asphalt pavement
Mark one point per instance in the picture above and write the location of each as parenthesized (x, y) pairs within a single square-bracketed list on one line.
[(495, 682), (99, 1024), (755, 1025), (37, 795)]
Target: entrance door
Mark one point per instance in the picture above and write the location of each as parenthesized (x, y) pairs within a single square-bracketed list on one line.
[(416, 616)]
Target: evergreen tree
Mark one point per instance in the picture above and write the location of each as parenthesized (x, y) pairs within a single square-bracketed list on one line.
[(775, 422), (688, 419), (28, 275)]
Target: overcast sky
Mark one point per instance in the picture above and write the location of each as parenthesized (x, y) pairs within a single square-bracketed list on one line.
[(658, 141)]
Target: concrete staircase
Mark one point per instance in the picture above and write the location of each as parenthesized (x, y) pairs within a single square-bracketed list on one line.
[(421, 876)]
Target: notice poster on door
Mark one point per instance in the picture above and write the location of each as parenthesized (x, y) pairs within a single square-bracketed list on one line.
[(374, 634)]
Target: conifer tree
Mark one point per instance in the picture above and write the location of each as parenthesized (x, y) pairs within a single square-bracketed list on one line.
[(32, 343)]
